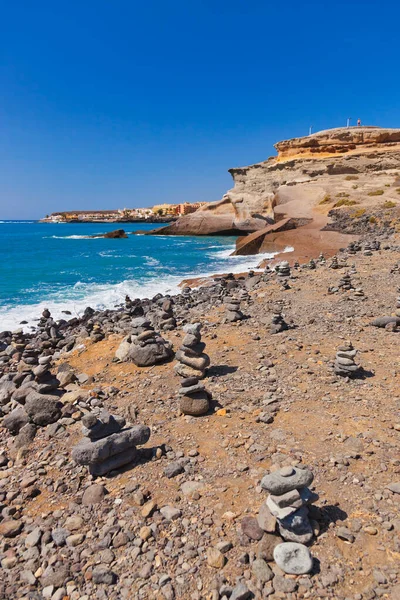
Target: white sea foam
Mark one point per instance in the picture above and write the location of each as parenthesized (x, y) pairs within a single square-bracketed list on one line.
[(100, 296), (71, 237)]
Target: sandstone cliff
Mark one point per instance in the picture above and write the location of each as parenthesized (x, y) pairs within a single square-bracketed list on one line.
[(304, 181)]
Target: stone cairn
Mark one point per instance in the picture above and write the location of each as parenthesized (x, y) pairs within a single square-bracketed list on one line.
[(345, 365), (345, 284), (296, 265), (283, 269), (167, 319), (353, 248), (193, 362), (367, 249), (232, 308), (334, 263), (311, 264), (144, 347), (107, 446), (321, 259), (287, 502), (278, 323)]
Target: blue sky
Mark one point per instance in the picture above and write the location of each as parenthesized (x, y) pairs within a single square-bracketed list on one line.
[(125, 103)]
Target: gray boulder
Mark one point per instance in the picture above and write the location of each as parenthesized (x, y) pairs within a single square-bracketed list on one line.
[(15, 420), (87, 453), (293, 559), (42, 409)]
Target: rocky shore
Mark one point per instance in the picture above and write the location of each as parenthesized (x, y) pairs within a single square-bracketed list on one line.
[(238, 440)]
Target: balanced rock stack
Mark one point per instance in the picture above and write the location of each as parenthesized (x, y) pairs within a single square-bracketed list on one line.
[(311, 264), (345, 283), (334, 263), (283, 269), (321, 259), (194, 398), (107, 446), (144, 347), (193, 362), (167, 319), (367, 249), (289, 497), (345, 365), (278, 323), (233, 312)]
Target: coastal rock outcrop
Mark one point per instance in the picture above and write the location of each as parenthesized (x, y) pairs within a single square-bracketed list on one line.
[(298, 188)]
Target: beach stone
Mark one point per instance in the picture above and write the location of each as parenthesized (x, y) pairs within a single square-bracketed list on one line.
[(394, 487), (42, 409), (105, 425), (93, 494), (114, 462), (195, 405), (87, 453), (241, 592), (10, 528), (293, 558), (102, 574), (278, 484), (150, 354), (265, 519), (296, 527), (215, 558), (265, 547), (170, 513), (261, 570), (383, 321), (33, 538), (251, 528), (15, 420), (173, 469)]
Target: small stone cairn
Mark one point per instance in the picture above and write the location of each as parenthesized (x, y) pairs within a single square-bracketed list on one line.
[(283, 269), (289, 497), (321, 259), (345, 284), (107, 446), (144, 347), (233, 312), (167, 319), (311, 264), (193, 362), (278, 323), (334, 262), (345, 365)]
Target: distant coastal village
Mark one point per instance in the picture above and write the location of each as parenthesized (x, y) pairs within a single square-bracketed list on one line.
[(158, 212)]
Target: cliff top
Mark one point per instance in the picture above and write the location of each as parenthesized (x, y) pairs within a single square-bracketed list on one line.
[(338, 140)]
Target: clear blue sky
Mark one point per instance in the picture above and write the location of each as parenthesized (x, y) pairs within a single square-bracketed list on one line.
[(126, 103)]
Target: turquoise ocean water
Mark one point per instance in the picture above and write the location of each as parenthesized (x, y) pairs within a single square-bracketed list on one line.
[(59, 267)]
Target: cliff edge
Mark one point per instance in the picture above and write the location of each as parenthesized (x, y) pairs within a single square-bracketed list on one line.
[(308, 177)]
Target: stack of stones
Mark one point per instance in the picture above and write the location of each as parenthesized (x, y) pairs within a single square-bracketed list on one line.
[(233, 312), (193, 362), (283, 269), (296, 265), (107, 446), (367, 249), (144, 347), (353, 248), (311, 264), (321, 259), (96, 332), (334, 263), (289, 497), (345, 283), (359, 292), (345, 365), (167, 319), (278, 323), (194, 398), (244, 296)]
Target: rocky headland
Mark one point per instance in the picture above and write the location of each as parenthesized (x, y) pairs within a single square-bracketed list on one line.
[(238, 440), (292, 199)]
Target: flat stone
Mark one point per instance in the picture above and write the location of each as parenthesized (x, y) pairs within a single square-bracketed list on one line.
[(86, 453), (277, 484), (190, 487), (296, 527), (293, 559), (241, 592), (173, 469), (394, 487), (102, 574), (170, 513), (251, 528)]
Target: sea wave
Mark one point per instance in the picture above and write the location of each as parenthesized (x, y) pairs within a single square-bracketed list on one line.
[(101, 296), (70, 237)]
